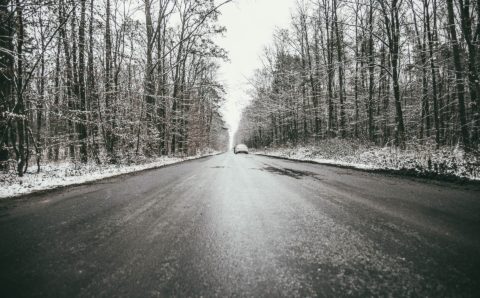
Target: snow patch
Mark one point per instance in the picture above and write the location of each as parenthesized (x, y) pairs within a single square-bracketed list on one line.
[(420, 159), (54, 175)]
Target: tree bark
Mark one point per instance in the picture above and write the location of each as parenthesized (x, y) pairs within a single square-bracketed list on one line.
[(19, 110), (82, 125), (341, 78), (457, 62)]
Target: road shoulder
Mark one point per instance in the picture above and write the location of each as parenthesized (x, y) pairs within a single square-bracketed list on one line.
[(69, 175)]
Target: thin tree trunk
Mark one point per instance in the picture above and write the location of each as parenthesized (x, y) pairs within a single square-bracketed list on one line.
[(82, 126), (371, 78), (19, 107), (109, 134), (436, 121), (341, 78)]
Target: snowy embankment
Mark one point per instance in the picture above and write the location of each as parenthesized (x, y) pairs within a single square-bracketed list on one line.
[(417, 160), (55, 175)]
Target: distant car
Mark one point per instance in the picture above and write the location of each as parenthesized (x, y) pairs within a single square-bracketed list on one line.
[(242, 148)]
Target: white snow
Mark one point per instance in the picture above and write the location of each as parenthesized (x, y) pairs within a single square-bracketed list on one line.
[(426, 160), (54, 175)]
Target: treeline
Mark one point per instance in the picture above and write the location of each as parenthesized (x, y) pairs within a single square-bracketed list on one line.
[(108, 80), (393, 72)]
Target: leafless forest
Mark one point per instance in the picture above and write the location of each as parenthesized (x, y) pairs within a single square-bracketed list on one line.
[(400, 73), (108, 80), (117, 81)]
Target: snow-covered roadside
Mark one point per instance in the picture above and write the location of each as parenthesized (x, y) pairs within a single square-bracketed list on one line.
[(424, 161), (61, 174)]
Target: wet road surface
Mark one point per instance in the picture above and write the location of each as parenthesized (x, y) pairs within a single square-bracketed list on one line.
[(244, 225)]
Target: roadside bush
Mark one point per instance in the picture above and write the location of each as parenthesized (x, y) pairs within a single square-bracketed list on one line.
[(424, 160)]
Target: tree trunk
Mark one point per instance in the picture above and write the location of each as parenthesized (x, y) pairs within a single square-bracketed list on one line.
[(341, 88), (91, 93), (436, 121), (457, 61), (82, 126), (6, 77), (20, 106), (149, 84), (392, 23), (473, 79), (371, 77), (109, 134)]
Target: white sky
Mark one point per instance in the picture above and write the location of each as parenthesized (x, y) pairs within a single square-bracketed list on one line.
[(250, 25)]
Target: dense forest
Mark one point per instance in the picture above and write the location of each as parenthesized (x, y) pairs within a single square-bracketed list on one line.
[(389, 73), (108, 81)]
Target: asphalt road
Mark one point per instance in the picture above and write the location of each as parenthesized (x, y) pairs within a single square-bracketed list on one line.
[(244, 226)]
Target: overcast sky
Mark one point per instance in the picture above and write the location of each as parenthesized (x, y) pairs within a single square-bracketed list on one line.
[(250, 25)]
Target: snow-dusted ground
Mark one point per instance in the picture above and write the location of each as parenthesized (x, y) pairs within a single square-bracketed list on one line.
[(423, 160), (54, 175)]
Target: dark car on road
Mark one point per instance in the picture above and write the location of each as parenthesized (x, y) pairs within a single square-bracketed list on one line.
[(241, 148)]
